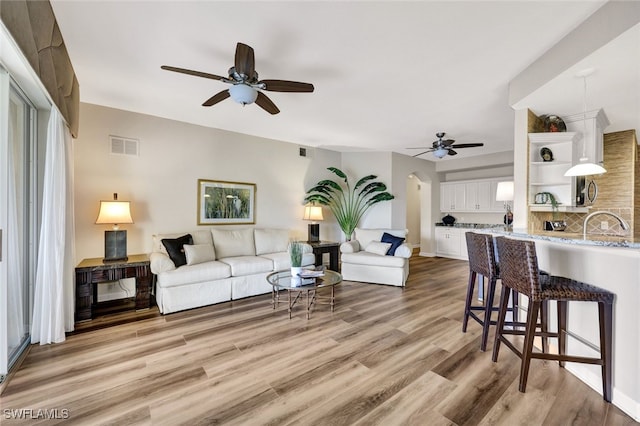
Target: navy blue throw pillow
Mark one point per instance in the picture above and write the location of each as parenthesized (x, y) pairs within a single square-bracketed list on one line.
[(395, 243), (175, 248)]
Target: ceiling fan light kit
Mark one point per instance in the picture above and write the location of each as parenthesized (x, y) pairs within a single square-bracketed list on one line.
[(243, 94), (245, 86)]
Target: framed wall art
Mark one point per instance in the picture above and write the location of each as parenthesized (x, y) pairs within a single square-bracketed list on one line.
[(226, 203)]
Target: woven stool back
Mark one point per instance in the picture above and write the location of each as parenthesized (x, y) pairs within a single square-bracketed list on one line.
[(519, 266), (482, 258)]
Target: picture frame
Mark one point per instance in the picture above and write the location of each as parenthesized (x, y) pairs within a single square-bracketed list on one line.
[(226, 203)]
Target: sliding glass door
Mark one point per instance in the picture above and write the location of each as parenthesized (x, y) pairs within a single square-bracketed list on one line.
[(17, 220)]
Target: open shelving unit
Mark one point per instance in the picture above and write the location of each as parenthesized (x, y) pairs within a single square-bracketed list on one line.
[(548, 176)]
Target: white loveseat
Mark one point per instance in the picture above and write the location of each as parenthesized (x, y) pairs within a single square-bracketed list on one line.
[(222, 265), (365, 258)]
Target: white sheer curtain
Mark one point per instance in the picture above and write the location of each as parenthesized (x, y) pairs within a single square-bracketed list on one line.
[(15, 320), (53, 305)]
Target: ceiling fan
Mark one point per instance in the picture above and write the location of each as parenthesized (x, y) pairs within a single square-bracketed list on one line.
[(442, 148), (245, 85)]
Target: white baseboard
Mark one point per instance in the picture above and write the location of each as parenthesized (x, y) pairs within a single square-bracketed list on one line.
[(426, 254)]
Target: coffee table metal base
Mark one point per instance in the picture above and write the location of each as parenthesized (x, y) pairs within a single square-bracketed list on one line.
[(311, 296)]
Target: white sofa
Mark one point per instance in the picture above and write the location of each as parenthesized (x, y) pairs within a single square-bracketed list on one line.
[(223, 264), (364, 258)]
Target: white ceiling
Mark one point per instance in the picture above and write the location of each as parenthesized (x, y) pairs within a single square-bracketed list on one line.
[(388, 75)]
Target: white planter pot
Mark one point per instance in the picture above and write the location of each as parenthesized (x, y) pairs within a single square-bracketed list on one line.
[(295, 270)]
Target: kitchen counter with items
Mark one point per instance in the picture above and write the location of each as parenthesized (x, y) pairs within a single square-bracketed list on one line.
[(572, 238), (472, 225)]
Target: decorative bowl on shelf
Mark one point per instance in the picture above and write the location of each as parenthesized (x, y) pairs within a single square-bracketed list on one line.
[(546, 154)]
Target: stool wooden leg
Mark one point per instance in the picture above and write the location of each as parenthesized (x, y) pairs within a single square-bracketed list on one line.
[(562, 329), (515, 306), (502, 313), (544, 325), (488, 309), (527, 350), (467, 305), (605, 312)]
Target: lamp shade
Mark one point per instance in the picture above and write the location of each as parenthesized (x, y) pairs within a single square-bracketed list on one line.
[(585, 168), (312, 213), (243, 94), (504, 191), (114, 212)]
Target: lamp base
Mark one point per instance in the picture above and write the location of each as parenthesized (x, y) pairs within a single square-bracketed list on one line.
[(314, 233), (115, 246)]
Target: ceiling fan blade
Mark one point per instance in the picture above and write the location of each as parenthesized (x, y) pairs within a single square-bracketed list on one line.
[(452, 152), (192, 72), (265, 103), (286, 86), (448, 142), (467, 145), (220, 96), (245, 62)]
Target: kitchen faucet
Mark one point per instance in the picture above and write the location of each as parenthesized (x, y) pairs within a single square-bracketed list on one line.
[(623, 224)]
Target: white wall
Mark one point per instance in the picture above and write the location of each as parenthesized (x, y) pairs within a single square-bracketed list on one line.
[(161, 182), (359, 164), (413, 210), (425, 171)]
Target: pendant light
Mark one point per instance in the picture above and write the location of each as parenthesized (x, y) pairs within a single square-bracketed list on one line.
[(584, 167)]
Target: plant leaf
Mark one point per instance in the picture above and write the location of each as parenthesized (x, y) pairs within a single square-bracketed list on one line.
[(338, 172), (363, 180)]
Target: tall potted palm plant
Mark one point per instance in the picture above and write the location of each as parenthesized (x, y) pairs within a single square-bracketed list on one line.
[(348, 204)]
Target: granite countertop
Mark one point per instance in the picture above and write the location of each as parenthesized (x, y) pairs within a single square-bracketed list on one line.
[(472, 225), (572, 238)]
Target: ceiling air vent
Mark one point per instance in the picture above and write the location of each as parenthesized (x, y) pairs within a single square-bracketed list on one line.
[(124, 146)]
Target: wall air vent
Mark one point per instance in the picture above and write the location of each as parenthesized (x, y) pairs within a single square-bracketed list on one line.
[(124, 146), (305, 151)]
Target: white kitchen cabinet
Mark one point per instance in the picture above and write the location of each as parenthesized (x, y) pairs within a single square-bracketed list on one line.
[(451, 242), (452, 197), (477, 196)]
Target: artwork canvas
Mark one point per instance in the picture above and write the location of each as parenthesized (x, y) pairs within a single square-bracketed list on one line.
[(226, 203)]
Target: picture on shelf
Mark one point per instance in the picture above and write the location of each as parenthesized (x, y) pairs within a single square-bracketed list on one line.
[(226, 203)]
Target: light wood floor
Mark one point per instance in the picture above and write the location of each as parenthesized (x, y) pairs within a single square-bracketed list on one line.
[(386, 356)]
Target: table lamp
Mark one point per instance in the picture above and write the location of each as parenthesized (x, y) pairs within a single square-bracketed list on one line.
[(504, 192), (115, 241), (313, 213)]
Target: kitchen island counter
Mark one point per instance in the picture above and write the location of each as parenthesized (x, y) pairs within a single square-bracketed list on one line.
[(610, 263)]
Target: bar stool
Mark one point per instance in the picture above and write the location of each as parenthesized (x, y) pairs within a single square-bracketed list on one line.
[(482, 262), (519, 272)]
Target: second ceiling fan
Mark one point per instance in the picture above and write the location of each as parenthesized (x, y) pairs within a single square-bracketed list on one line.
[(443, 147), (245, 85)]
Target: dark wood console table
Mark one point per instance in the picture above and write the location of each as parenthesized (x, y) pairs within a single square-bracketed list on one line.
[(331, 247), (93, 271)]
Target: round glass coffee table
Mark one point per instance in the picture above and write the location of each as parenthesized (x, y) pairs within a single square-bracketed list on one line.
[(283, 281)]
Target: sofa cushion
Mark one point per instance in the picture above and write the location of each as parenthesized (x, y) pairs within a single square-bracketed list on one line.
[(366, 258), (282, 261), (248, 265), (199, 253), (233, 242), (175, 248), (199, 237), (393, 240), (378, 248), (271, 240), (365, 236), (201, 272)]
